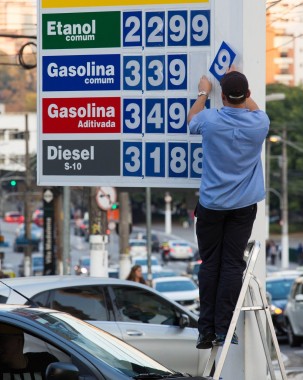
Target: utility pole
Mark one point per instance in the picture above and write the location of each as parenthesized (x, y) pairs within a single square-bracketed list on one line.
[(27, 210), (285, 237), (148, 234), (168, 200), (124, 225), (98, 238), (66, 230)]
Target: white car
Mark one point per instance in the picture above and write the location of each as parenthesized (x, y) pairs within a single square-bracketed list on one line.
[(177, 249), (137, 247), (293, 313), (136, 313), (180, 289), (143, 262)]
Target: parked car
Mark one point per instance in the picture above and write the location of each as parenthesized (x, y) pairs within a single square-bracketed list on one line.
[(13, 217), (278, 286), (137, 247), (81, 227), (294, 313), (180, 289), (37, 265), (8, 270), (38, 217), (131, 311), (155, 242), (143, 262), (192, 270), (21, 242), (176, 249), (83, 266), (82, 351)]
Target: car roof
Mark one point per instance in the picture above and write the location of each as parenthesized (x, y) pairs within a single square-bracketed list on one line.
[(172, 278), (178, 241), (32, 285), (274, 278)]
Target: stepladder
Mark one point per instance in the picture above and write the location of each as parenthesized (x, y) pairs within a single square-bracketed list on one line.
[(252, 298)]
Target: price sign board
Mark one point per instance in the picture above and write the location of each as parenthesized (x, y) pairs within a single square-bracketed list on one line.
[(116, 83)]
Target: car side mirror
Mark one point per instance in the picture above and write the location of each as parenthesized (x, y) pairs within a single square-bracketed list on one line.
[(184, 321), (61, 371), (299, 298)]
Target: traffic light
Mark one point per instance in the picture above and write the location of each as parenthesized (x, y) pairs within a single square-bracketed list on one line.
[(13, 183), (115, 206)]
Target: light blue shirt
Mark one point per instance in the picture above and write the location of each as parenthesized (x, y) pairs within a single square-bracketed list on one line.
[(232, 173)]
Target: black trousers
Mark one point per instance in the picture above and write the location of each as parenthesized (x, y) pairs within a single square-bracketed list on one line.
[(222, 238)]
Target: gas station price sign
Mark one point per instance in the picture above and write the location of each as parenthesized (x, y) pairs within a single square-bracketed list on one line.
[(115, 87)]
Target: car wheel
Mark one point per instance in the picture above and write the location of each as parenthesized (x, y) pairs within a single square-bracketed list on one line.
[(293, 340)]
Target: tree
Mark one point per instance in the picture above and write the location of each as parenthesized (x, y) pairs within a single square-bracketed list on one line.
[(18, 86), (287, 113)]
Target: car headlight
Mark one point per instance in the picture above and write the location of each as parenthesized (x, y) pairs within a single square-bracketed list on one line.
[(275, 310)]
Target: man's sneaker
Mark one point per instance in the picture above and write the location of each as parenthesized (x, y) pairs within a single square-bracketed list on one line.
[(205, 340), (220, 339)]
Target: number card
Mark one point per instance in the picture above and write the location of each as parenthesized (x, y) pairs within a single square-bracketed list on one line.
[(222, 61)]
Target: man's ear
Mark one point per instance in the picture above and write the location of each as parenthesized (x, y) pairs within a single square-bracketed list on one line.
[(248, 94), (223, 97)]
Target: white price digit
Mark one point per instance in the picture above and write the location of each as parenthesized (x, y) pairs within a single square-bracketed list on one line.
[(156, 36), (200, 27), (223, 62), (197, 160), (177, 114), (156, 66), (178, 162), (177, 71), (135, 77), (155, 155), (134, 108), (131, 36), (178, 28), (134, 157), (155, 116)]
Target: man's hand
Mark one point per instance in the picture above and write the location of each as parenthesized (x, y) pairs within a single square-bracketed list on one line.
[(204, 84)]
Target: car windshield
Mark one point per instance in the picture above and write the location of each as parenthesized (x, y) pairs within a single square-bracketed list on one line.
[(279, 289), (138, 244), (175, 286), (179, 244), (103, 346)]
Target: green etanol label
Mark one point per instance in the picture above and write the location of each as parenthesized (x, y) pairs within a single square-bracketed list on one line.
[(81, 30)]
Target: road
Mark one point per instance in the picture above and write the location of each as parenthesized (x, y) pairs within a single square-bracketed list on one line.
[(293, 356)]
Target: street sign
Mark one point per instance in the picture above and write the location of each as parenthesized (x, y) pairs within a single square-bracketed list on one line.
[(106, 197)]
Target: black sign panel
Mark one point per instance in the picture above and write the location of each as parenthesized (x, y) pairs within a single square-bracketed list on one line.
[(86, 157), (49, 240)]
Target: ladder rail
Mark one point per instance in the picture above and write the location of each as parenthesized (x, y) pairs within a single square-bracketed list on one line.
[(271, 328), (251, 254)]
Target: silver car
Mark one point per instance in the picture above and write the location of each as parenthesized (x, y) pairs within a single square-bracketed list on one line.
[(294, 313), (136, 313)]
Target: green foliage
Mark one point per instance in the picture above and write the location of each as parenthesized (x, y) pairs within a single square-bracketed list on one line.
[(288, 114)]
